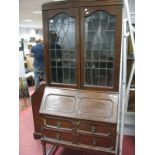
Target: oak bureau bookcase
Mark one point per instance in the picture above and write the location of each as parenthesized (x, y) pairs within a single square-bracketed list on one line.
[(77, 107)]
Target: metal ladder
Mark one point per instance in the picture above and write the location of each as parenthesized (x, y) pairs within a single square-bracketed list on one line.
[(125, 86)]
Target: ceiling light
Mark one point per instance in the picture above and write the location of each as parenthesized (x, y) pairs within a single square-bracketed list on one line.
[(27, 20), (36, 12), (21, 25)]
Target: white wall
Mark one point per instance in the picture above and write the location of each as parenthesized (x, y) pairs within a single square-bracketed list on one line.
[(132, 6), (26, 34)]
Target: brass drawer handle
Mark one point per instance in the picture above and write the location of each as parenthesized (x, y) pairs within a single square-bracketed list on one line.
[(58, 124), (78, 123), (93, 129), (94, 142), (57, 136)]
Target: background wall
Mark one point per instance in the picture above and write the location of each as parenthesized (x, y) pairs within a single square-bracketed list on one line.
[(27, 34)]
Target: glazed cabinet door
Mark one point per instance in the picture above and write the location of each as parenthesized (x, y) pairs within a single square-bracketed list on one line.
[(101, 46), (61, 46)]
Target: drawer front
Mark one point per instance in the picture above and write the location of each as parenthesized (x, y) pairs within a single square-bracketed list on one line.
[(96, 141), (103, 129), (57, 135), (58, 123)]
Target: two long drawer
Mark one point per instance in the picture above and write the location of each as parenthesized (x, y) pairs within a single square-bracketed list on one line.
[(96, 128), (79, 132), (96, 134), (59, 123), (96, 141), (57, 135)]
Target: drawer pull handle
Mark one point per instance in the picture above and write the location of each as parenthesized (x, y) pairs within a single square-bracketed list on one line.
[(58, 124), (93, 129), (57, 136), (94, 142), (78, 123)]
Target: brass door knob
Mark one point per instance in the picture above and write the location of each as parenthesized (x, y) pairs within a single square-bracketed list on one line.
[(57, 136), (94, 142), (58, 124)]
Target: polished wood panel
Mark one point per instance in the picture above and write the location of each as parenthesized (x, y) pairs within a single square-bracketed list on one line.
[(95, 107), (36, 99), (67, 103)]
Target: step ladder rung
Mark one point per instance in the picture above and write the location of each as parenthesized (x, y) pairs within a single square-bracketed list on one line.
[(132, 89)]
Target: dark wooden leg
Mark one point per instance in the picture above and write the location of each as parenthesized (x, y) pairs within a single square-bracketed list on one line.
[(44, 147), (36, 135), (52, 150)]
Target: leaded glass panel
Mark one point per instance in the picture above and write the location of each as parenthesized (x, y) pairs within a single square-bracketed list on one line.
[(99, 49), (62, 49)]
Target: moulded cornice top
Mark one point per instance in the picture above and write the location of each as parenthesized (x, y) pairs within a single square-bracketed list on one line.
[(78, 3)]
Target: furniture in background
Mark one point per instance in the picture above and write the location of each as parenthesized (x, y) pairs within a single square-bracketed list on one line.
[(29, 69), (23, 87)]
